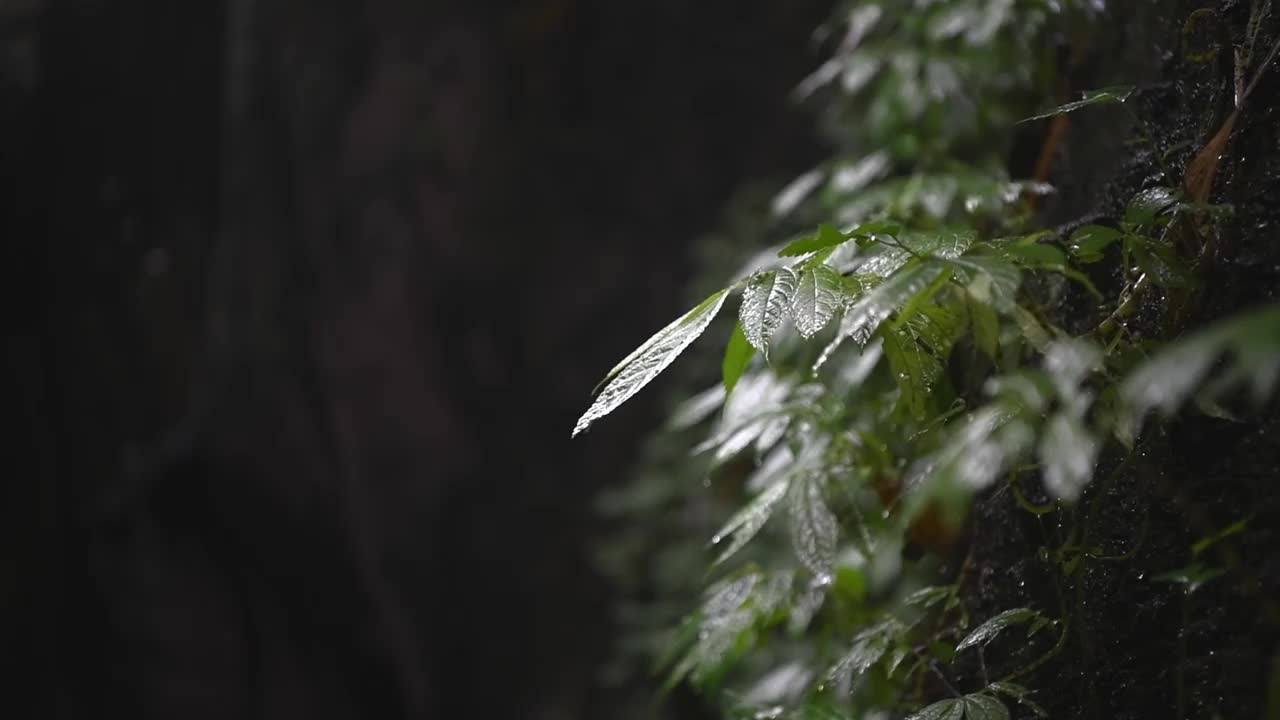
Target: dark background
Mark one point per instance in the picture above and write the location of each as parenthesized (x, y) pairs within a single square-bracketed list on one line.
[(304, 297)]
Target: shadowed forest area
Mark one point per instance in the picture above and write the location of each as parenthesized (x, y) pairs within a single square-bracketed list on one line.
[(307, 295)]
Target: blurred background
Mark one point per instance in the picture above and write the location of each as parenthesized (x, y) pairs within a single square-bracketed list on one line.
[(305, 298)]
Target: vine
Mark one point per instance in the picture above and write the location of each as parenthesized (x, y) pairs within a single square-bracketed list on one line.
[(902, 357)]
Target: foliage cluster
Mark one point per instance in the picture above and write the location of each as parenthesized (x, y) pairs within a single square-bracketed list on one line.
[(900, 358)]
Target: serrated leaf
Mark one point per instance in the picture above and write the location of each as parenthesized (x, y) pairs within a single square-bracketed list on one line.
[(915, 370), (813, 528), (1114, 94), (868, 647), (748, 521), (984, 633), (817, 298), (737, 355), (1068, 452), (866, 314), (1031, 328), (650, 359), (1089, 242), (765, 301), (984, 707), (882, 258), (952, 709)]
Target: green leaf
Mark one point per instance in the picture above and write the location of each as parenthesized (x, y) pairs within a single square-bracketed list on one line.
[(817, 297), (1205, 543), (866, 314), (1191, 577), (983, 320), (1067, 455), (1166, 381), (985, 632), (737, 355), (765, 301), (930, 596), (1114, 94), (1088, 242), (1020, 694), (915, 370), (952, 709), (1148, 203), (748, 521), (868, 647), (826, 237), (1004, 277), (1160, 262), (984, 707), (650, 359), (813, 528)]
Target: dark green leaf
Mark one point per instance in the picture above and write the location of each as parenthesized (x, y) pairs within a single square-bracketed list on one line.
[(915, 370), (826, 237), (952, 709), (984, 633), (737, 355), (1148, 203), (984, 707), (650, 359), (1160, 262), (1088, 242)]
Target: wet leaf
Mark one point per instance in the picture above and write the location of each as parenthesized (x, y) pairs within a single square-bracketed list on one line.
[(748, 521), (985, 632), (816, 300), (1109, 95), (868, 647), (1089, 242), (765, 302), (984, 707), (813, 528), (1147, 204), (952, 709), (650, 359)]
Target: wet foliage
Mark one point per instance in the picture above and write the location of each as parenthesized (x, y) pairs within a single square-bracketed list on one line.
[(941, 456)]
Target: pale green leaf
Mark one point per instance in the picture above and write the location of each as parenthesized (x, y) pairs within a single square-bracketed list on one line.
[(765, 301), (985, 632), (650, 359), (1067, 455), (1116, 94), (1166, 381), (1088, 242), (817, 298), (869, 646), (813, 527), (1003, 278), (748, 521)]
